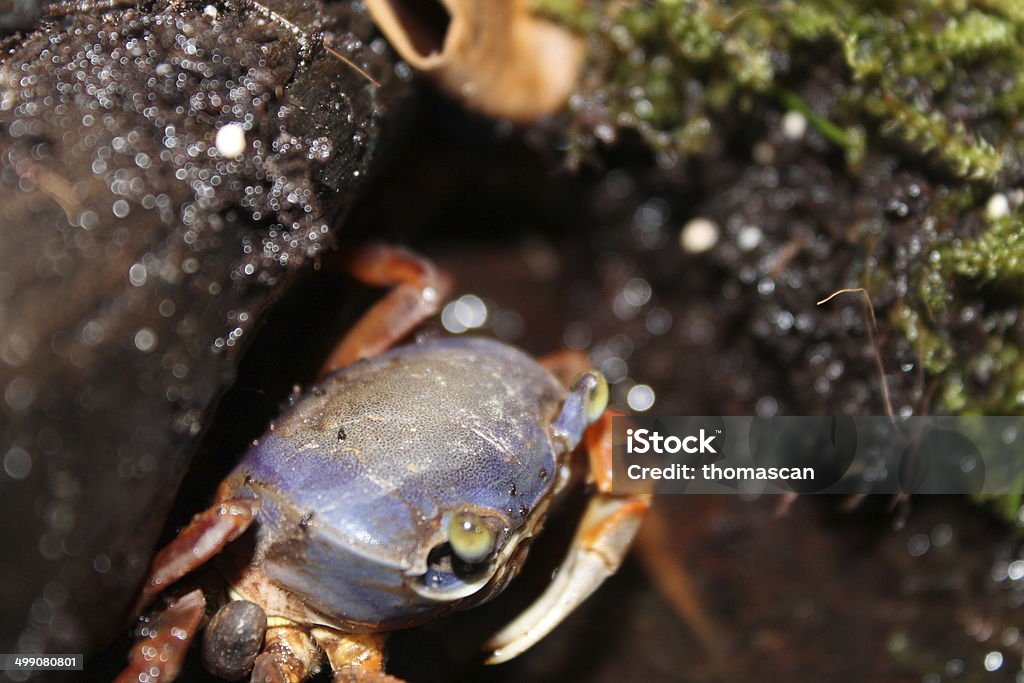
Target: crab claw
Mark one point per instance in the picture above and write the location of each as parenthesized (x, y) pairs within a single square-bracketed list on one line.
[(602, 540)]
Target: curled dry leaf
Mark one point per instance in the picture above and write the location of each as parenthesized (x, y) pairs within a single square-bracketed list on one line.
[(495, 55)]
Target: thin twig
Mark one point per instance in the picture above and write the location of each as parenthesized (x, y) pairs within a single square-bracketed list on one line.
[(872, 328), (351, 64)]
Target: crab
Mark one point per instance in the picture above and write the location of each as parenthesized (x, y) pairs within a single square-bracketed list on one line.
[(406, 483)]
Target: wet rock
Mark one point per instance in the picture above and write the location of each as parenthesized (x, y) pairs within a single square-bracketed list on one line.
[(166, 173)]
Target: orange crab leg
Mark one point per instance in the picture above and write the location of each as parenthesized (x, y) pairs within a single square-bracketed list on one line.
[(349, 674), (289, 656), (159, 655), (418, 290), (354, 657), (598, 442), (203, 537), (602, 540), (612, 514), (674, 583), (609, 516)]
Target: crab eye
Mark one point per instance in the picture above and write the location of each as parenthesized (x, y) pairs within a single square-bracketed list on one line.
[(595, 387), (472, 540)]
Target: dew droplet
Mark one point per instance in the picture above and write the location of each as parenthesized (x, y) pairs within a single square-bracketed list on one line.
[(17, 463), (640, 398), (145, 340), (993, 661)]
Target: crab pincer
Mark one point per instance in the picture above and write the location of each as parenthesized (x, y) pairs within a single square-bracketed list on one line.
[(605, 533)]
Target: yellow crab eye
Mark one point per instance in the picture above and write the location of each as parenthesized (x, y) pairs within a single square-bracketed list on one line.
[(472, 540), (596, 387)]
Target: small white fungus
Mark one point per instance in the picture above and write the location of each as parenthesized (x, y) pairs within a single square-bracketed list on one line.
[(698, 235), (230, 140), (998, 206), (794, 125)]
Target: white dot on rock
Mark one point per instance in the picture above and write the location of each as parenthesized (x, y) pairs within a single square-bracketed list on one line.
[(698, 235), (230, 140), (998, 206)]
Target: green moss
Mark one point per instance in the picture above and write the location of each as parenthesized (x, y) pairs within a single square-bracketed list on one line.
[(932, 347), (932, 88), (930, 132), (996, 256), (974, 33), (940, 82), (906, 64)]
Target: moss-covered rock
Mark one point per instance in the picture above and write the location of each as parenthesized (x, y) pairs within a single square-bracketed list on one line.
[(869, 144), (933, 90)]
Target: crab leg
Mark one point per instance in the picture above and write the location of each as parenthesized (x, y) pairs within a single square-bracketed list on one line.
[(203, 537), (354, 657), (350, 674), (418, 290), (289, 655), (157, 657), (602, 539), (675, 584)]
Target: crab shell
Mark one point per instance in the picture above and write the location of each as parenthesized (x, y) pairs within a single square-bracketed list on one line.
[(358, 481)]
